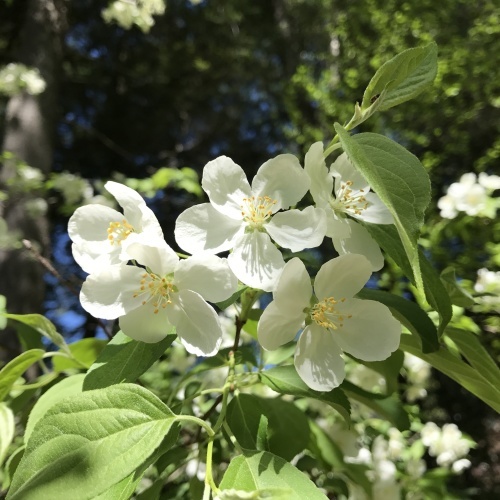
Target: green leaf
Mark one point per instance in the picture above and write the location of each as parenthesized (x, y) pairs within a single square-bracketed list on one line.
[(287, 428), (457, 294), (15, 368), (88, 443), (42, 325), (84, 352), (409, 314), (67, 387), (286, 380), (467, 376), (403, 77), (389, 407), (471, 348), (7, 428), (124, 360), (435, 292), (399, 179), (269, 475)]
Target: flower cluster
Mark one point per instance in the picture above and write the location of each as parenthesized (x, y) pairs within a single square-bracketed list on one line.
[(136, 277), (472, 195), (14, 78), (126, 13)]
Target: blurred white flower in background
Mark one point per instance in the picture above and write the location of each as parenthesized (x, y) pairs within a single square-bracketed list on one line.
[(15, 78), (418, 373), (471, 195), (126, 13), (447, 444)]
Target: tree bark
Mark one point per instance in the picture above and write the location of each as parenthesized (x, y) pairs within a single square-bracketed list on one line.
[(29, 135)]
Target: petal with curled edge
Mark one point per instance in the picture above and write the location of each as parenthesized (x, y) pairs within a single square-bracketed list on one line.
[(321, 180)]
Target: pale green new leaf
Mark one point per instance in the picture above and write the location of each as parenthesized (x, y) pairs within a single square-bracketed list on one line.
[(84, 352), (7, 428), (463, 373), (87, 443), (15, 368), (471, 348), (42, 325), (403, 77), (270, 476)]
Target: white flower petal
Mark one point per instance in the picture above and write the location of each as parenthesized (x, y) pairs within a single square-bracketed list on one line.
[(226, 185), (342, 277), (343, 171), (293, 290), (318, 359), (321, 180), (92, 262), (360, 242), (154, 254), (277, 326), (89, 224), (109, 293), (203, 229), (336, 226), (282, 179), (144, 325), (256, 261), (208, 275), (296, 229), (376, 212), (371, 334), (196, 322), (135, 210)]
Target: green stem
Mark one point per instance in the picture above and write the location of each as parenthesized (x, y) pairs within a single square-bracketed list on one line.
[(196, 420)]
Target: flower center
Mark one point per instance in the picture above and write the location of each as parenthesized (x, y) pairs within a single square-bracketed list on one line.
[(324, 314), (119, 231), (350, 201), (155, 289), (256, 210)]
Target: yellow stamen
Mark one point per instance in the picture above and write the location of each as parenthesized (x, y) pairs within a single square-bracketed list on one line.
[(119, 231), (257, 210), (326, 315)]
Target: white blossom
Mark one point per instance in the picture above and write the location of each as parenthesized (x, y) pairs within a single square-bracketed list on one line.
[(464, 196), (345, 196), (418, 373), (98, 231), (166, 292), (335, 322), (126, 13), (15, 77), (446, 444), (244, 218)]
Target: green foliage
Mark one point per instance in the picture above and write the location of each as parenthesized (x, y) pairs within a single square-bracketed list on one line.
[(124, 360), (90, 442), (268, 476)]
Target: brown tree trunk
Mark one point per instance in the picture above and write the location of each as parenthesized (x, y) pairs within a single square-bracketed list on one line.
[(29, 130)]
